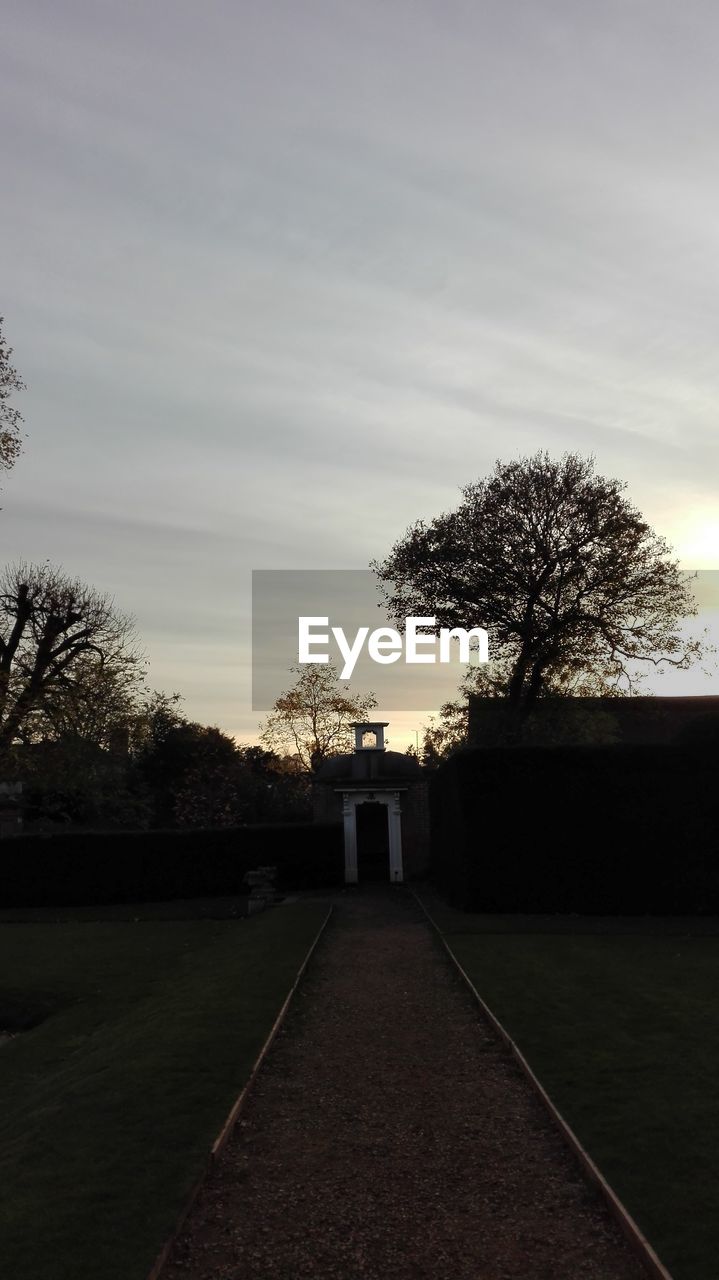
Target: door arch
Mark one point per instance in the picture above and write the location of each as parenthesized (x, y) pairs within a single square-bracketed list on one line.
[(350, 801)]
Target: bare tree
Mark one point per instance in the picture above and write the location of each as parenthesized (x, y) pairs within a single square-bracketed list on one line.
[(565, 574), (10, 418), (312, 720), (59, 640)]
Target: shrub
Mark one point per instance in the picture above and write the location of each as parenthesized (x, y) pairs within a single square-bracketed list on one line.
[(603, 830), (144, 866)]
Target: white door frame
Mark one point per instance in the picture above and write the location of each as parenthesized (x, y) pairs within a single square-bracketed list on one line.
[(391, 799)]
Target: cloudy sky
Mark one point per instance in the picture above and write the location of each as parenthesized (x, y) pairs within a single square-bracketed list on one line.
[(280, 275)]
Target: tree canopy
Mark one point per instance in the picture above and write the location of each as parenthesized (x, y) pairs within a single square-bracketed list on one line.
[(561, 569), (311, 721), (62, 645)]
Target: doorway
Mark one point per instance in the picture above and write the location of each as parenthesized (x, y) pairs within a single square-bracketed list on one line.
[(372, 841)]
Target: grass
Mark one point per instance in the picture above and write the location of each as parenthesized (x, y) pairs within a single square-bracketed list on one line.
[(145, 1034), (620, 1021), (227, 908)]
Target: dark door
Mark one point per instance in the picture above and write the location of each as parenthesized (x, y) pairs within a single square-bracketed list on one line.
[(372, 841)]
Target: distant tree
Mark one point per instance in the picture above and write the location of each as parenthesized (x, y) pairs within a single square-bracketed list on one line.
[(59, 641), (255, 787), (188, 769), (70, 780), (210, 796), (564, 573), (157, 715), (276, 787), (445, 733), (10, 418), (311, 721), (72, 752), (198, 776)]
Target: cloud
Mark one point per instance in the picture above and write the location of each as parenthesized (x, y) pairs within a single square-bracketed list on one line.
[(278, 286)]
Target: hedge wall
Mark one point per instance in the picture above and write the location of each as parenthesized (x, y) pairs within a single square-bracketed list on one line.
[(145, 866), (598, 830)]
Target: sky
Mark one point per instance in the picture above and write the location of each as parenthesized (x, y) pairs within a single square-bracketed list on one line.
[(282, 275)]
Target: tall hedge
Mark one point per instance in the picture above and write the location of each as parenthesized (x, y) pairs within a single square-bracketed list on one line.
[(145, 866), (603, 830)]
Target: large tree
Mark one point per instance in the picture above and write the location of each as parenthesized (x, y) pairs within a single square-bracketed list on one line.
[(61, 644), (10, 417), (311, 721), (560, 568)]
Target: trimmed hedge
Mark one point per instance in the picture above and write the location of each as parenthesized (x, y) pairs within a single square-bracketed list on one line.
[(145, 866), (614, 830)]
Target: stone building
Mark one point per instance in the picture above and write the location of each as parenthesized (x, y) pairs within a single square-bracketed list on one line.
[(381, 798)]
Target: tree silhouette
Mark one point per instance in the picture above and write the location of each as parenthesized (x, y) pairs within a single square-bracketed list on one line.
[(54, 633), (312, 720), (563, 571)]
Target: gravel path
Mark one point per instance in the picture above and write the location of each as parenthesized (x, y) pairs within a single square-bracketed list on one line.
[(389, 1136)]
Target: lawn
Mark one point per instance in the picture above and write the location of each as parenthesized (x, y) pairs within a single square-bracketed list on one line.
[(620, 1021), (145, 1033)]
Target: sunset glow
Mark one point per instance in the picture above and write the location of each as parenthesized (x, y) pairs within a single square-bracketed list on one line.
[(697, 540)]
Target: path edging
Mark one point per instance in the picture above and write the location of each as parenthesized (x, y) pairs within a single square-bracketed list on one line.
[(635, 1237), (234, 1114)]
